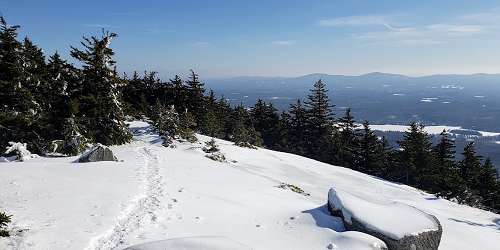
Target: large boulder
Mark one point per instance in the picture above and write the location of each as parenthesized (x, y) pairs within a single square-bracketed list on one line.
[(98, 153), (400, 226)]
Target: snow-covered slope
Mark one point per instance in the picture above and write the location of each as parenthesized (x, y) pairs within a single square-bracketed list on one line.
[(178, 195)]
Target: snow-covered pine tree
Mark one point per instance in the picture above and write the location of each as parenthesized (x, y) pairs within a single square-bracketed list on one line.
[(74, 142), (18, 108), (187, 126), (99, 105), (60, 100), (166, 122)]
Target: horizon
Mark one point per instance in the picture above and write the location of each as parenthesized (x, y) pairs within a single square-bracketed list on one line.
[(279, 38)]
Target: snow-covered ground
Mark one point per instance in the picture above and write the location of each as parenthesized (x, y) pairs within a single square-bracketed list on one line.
[(181, 198)]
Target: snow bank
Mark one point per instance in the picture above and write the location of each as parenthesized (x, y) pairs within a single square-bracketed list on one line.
[(391, 218), (192, 243)]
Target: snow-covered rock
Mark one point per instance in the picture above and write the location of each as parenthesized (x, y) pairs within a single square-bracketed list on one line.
[(400, 226), (98, 153), (17, 151)]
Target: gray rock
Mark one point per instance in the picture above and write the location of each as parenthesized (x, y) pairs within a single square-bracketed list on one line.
[(428, 240), (98, 153)]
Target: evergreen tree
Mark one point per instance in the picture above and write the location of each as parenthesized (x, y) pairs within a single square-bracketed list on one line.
[(469, 165), (212, 124), (347, 143), (195, 96), (367, 153), (18, 107), (34, 69), (187, 126), (320, 121), (448, 182), (265, 120), (179, 94), (243, 133), (470, 169), (60, 102), (487, 184), (416, 157), (100, 104), (298, 128), (166, 122)]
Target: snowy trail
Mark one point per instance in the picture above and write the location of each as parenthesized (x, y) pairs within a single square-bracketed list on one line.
[(143, 207)]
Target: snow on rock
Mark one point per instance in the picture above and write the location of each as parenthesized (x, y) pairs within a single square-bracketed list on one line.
[(98, 153), (401, 226), (17, 151)]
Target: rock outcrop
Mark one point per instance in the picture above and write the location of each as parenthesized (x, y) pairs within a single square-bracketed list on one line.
[(386, 221), (98, 153)]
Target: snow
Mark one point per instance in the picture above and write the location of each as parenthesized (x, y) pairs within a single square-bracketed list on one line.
[(382, 215), (432, 130), (20, 151), (180, 198)]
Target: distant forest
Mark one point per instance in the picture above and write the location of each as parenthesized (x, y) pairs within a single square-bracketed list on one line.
[(59, 109)]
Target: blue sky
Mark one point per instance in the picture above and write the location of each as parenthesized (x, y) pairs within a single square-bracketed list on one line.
[(275, 37)]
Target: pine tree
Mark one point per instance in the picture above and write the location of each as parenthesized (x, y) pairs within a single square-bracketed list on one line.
[(34, 71), (195, 96), (347, 142), (470, 169), (469, 165), (265, 120), (243, 133), (179, 93), (447, 181), (74, 142), (100, 102), (18, 107), (60, 102), (416, 157), (367, 155), (487, 183), (187, 126), (212, 124), (298, 128), (320, 120)]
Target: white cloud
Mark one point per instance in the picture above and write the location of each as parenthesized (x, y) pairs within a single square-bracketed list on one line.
[(283, 42), (353, 21), (457, 29), (385, 29)]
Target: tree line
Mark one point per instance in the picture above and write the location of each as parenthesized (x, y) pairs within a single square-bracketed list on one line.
[(58, 108)]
